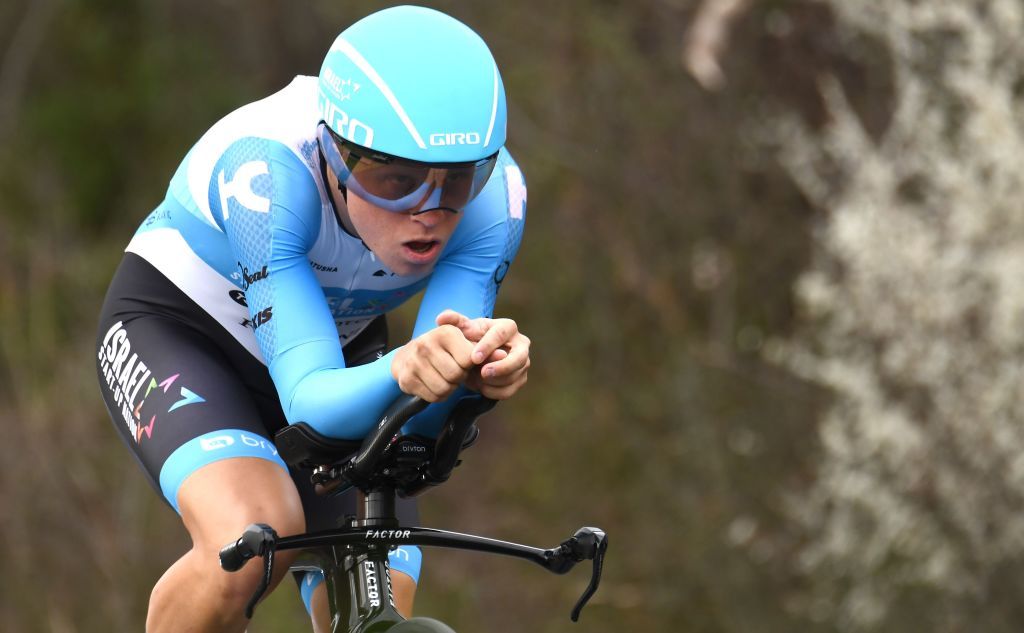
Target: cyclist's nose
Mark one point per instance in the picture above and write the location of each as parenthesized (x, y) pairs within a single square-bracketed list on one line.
[(430, 217), (428, 213)]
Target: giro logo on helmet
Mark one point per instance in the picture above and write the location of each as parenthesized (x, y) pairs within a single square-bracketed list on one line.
[(349, 128), (455, 138)]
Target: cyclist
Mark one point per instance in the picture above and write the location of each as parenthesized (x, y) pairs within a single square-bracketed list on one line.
[(253, 296)]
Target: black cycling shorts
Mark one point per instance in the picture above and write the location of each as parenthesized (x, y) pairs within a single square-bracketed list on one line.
[(183, 393)]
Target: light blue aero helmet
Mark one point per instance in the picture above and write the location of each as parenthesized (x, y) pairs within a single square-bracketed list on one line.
[(413, 108)]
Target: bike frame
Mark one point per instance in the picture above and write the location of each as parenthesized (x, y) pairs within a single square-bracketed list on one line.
[(359, 590)]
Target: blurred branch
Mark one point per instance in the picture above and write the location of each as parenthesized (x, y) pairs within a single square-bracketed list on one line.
[(707, 38), (17, 59)]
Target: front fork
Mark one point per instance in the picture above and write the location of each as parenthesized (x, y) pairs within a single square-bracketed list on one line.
[(359, 590)]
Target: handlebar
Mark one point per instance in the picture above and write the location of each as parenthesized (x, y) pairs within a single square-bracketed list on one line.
[(457, 434), (409, 464), (588, 543), (362, 471), (365, 462)]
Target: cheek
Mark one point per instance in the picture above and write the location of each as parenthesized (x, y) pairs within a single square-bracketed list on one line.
[(370, 222), (452, 223)]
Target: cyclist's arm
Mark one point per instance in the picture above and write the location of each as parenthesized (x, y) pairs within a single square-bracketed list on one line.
[(468, 280), (271, 215)]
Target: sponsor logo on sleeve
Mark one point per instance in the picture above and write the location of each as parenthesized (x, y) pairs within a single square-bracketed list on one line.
[(240, 187), (501, 271), (262, 318), (249, 278)]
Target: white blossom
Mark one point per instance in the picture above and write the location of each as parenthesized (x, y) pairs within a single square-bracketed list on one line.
[(914, 310)]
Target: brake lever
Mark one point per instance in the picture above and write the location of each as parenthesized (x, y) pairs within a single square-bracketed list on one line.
[(258, 539), (588, 543)]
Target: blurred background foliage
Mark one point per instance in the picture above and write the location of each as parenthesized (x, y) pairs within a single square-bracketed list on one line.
[(730, 374)]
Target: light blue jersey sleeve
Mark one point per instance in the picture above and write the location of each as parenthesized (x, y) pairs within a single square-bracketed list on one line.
[(483, 249), (266, 201)]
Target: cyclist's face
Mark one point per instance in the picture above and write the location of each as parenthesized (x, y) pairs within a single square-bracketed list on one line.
[(407, 244)]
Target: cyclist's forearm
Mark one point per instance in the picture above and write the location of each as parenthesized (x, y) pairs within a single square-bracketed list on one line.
[(342, 402)]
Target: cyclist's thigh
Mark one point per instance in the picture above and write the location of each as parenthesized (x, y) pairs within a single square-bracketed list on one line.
[(219, 499), (174, 399)]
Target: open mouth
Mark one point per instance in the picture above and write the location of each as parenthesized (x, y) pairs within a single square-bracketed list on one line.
[(420, 247), (421, 251)]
